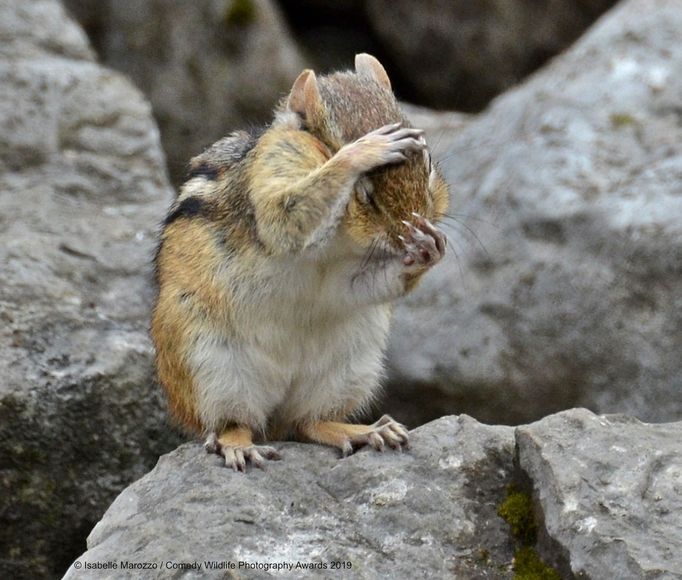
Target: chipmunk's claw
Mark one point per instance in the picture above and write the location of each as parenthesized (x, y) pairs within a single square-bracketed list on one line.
[(386, 431), (424, 243), (237, 456)]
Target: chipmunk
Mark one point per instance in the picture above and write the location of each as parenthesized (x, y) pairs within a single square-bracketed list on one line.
[(278, 264)]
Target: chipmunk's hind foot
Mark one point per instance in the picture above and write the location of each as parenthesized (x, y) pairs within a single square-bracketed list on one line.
[(236, 447), (349, 438), (386, 431)]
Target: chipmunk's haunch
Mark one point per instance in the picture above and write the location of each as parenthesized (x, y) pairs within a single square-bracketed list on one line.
[(278, 264)]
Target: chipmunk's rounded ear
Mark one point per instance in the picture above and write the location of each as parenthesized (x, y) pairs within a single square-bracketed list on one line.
[(304, 97), (367, 65)]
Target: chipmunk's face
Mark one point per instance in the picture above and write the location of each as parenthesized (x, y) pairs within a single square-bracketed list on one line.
[(339, 109), (392, 195)]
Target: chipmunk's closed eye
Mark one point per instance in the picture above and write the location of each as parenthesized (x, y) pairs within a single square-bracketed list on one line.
[(365, 191)]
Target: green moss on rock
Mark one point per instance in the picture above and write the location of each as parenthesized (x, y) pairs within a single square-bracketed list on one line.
[(529, 566), (517, 511), (240, 13), (620, 120)]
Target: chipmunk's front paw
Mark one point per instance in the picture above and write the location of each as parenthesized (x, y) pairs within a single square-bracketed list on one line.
[(386, 431), (236, 456), (388, 144), (424, 244)]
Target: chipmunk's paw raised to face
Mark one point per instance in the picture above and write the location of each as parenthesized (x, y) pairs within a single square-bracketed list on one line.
[(424, 244), (386, 145)]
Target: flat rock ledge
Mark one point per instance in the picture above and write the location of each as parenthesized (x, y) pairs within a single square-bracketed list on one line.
[(606, 499)]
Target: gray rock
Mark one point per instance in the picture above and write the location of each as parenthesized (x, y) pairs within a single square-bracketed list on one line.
[(610, 489), (569, 290), (459, 54), (82, 185), (21, 38), (208, 67), (606, 488), (429, 512)]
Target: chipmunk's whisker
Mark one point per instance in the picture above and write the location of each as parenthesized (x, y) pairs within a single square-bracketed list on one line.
[(458, 222)]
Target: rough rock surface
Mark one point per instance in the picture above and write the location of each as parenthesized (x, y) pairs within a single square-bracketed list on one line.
[(82, 185), (207, 67), (459, 54), (573, 297), (610, 489), (429, 512)]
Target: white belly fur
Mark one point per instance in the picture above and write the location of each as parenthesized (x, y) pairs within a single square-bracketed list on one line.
[(292, 353)]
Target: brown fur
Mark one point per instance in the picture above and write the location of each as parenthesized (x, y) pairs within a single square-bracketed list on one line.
[(236, 437), (187, 299), (264, 195), (331, 433), (344, 107)]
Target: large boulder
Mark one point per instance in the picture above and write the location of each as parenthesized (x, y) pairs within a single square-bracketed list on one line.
[(208, 68), (592, 496), (610, 491), (563, 286), (427, 513), (82, 186)]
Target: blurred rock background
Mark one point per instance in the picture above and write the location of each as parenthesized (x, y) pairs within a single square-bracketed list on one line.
[(563, 287), (207, 67), (213, 65), (82, 187)]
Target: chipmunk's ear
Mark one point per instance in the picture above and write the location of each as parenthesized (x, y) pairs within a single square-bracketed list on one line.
[(304, 97), (367, 65)]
